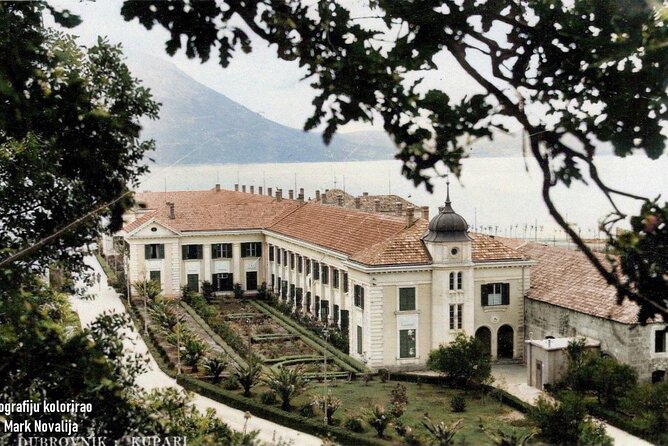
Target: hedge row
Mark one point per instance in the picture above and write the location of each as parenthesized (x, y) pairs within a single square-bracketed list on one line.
[(217, 339), (624, 423), (356, 365), (275, 414)]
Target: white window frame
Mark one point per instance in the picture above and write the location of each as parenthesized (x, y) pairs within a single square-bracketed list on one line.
[(498, 294), (653, 352)]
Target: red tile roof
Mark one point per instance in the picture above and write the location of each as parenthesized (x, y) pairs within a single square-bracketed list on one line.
[(368, 238), (565, 278), (344, 230)]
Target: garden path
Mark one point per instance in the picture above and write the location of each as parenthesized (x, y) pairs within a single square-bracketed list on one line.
[(107, 300)]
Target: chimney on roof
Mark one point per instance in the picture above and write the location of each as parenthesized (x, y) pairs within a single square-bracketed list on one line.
[(409, 216), (236, 187), (170, 210), (425, 212), (269, 191), (279, 194), (259, 190), (326, 190), (300, 197), (358, 203), (376, 204), (217, 187), (339, 200), (252, 189), (317, 195), (243, 188), (291, 194), (365, 194), (398, 207)]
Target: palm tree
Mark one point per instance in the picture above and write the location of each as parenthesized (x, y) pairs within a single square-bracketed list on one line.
[(195, 349), (215, 367), (287, 383), (148, 289), (248, 374)]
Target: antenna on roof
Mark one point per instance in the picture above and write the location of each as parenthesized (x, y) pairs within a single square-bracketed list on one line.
[(295, 181), (447, 185)]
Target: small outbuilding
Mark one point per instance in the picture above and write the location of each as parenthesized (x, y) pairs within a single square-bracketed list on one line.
[(547, 359)]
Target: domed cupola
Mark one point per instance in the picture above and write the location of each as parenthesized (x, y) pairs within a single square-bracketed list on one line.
[(447, 225)]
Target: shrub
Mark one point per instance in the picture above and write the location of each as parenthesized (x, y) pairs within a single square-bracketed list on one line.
[(329, 404), (398, 394), (207, 290), (215, 367), (442, 434), (231, 383), (287, 383), (384, 375), (306, 410), (564, 422), (262, 292), (502, 438), (652, 399), (408, 434), (148, 289), (379, 419), (268, 398), (354, 424), (238, 291), (458, 403), (464, 362)]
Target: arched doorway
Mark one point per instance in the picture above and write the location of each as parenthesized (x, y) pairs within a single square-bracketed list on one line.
[(484, 335), (505, 347)]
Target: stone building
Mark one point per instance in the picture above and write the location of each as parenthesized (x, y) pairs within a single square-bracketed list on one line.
[(400, 285), (569, 298)]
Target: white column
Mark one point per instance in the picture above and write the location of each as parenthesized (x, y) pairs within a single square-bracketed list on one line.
[(374, 342)]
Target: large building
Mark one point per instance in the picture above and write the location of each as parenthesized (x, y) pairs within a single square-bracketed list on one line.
[(399, 284), (568, 297)]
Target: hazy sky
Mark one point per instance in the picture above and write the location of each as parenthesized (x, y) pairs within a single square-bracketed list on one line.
[(259, 81)]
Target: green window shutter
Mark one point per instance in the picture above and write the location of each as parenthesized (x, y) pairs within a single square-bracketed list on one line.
[(147, 251), (505, 294), (335, 315), (316, 310), (200, 251), (161, 251), (324, 310), (184, 252), (362, 297), (345, 321), (359, 340), (308, 301), (484, 292)]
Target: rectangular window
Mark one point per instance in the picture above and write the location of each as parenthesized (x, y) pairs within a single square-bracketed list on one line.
[(191, 252), (459, 281), (456, 316), (359, 296), (495, 294), (324, 310), (292, 261), (308, 302), (335, 278), (345, 321), (407, 344), (316, 271), (284, 289), (307, 265), (273, 281), (325, 274), (335, 314), (452, 281), (345, 282), (300, 266), (154, 251), (285, 257), (221, 251), (660, 341), (271, 253), (278, 256), (154, 276), (193, 282), (252, 249), (407, 299), (292, 291), (316, 308), (222, 281), (359, 340)]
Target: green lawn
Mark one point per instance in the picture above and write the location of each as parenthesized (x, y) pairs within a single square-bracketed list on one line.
[(424, 399)]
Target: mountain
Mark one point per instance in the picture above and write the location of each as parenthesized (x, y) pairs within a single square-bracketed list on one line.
[(198, 125)]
